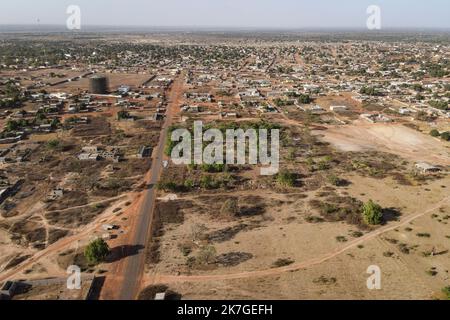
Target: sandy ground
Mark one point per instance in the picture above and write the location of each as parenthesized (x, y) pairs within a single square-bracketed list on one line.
[(393, 138), (316, 253)]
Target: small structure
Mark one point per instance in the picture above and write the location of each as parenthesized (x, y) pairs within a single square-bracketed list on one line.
[(90, 149), (338, 108), (144, 152), (98, 85), (123, 90), (89, 157), (427, 168), (4, 194), (374, 118), (108, 227), (8, 290), (160, 296), (56, 194)]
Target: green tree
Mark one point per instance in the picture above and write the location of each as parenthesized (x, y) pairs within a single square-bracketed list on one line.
[(305, 99), (123, 115), (97, 251), (12, 125), (372, 213), (434, 133), (445, 136)]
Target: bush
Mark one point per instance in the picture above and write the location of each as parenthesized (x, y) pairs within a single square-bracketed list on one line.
[(424, 235), (53, 144), (97, 251), (214, 168), (446, 291), (230, 208), (286, 179), (434, 133), (335, 180), (445, 136), (372, 213)]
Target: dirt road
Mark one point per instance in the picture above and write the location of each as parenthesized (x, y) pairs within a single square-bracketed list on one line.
[(125, 276)]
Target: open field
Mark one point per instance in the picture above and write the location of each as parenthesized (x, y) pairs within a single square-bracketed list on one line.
[(392, 138)]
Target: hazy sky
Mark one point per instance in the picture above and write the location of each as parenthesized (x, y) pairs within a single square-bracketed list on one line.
[(230, 13)]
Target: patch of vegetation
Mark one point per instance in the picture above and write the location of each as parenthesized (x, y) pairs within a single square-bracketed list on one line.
[(337, 208), (432, 272), (314, 219), (230, 208), (286, 178), (233, 259), (372, 213), (325, 281), (446, 292), (282, 263), (341, 239), (97, 251), (206, 256), (423, 235)]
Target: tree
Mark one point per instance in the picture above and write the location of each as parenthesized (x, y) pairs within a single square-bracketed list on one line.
[(207, 255), (305, 99), (12, 125), (372, 213), (445, 136), (122, 115), (434, 133), (96, 251)]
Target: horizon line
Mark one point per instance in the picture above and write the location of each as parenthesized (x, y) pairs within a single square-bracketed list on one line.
[(236, 28)]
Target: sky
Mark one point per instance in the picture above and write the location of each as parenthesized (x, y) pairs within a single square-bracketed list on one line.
[(230, 13)]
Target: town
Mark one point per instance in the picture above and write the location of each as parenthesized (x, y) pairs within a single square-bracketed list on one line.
[(88, 179)]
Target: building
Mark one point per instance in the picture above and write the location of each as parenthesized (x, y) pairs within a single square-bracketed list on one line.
[(56, 194), (89, 157), (8, 290), (98, 85), (144, 152), (427, 168), (123, 90), (338, 108)]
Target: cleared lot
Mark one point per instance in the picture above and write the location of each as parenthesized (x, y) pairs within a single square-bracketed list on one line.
[(392, 138)]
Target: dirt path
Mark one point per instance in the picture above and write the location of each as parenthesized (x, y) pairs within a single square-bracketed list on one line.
[(167, 279), (60, 245)]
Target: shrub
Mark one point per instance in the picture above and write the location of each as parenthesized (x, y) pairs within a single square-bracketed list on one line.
[(207, 255), (282, 263), (446, 292), (286, 179), (434, 133), (230, 208), (341, 239), (445, 136), (97, 251), (53, 144), (372, 213), (423, 235), (335, 180)]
